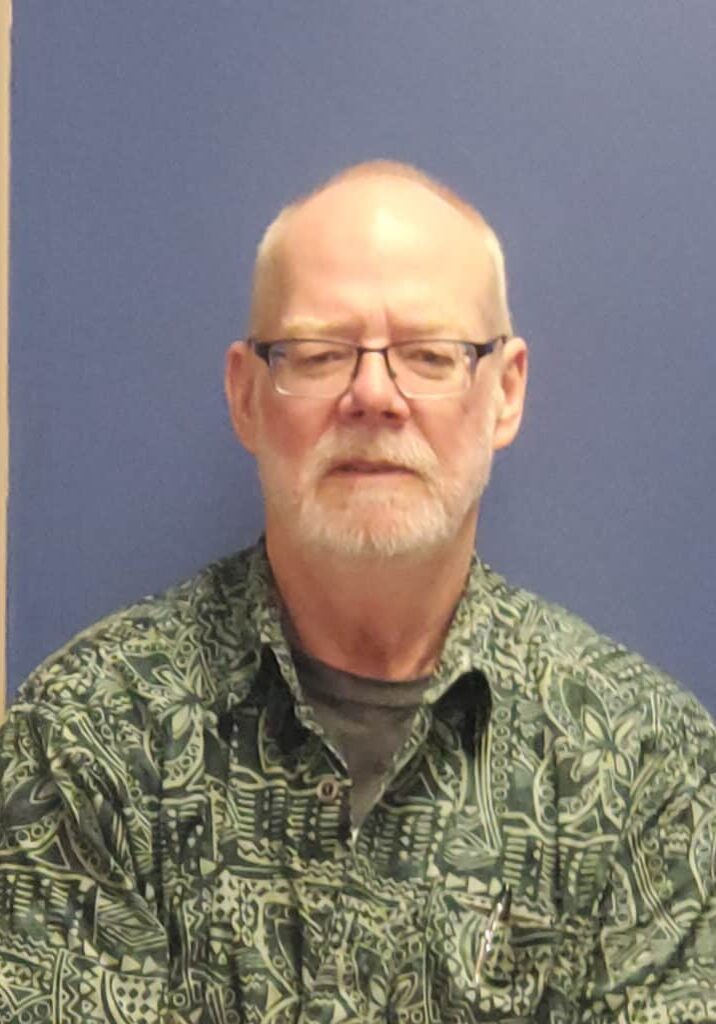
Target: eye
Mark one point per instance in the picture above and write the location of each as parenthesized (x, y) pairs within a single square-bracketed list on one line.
[(318, 356), (433, 357), (429, 356), (315, 358)]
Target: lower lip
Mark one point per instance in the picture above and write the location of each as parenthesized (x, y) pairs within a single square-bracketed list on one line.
[(372, 474)]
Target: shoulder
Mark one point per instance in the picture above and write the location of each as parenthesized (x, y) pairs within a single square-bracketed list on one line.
[(587, 684), (159, 650)]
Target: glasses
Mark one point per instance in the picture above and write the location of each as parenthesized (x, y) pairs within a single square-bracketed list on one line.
[(430, 368)]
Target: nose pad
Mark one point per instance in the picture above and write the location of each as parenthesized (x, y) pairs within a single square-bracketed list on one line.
[(373, 352), (374, 391)]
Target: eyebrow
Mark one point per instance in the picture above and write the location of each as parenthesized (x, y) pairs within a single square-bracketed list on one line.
[(309, 327), (430, 329)]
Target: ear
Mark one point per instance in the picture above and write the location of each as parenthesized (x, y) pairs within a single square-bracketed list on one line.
[(240, 385), (512, 384)]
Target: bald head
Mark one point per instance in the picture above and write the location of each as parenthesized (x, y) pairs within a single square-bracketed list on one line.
[(388, 200)]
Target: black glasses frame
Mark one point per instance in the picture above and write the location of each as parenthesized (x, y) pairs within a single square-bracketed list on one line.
[(479, 349)]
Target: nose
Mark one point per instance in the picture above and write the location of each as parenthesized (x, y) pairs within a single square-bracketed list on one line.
[(373, 392)]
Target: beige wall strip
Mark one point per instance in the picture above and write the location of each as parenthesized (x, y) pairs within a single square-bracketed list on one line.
[(5, 28)]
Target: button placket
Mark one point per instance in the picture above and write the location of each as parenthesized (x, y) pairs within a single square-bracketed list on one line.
[(328, 789)]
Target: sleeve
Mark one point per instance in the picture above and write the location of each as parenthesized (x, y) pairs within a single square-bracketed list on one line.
[(655, 958), (80, 935)]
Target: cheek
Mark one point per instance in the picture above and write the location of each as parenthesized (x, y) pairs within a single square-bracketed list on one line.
[(445, 428), (458, 432), (290, 427)]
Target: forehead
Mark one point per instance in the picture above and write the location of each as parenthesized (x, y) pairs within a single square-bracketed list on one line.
[(386, 241)]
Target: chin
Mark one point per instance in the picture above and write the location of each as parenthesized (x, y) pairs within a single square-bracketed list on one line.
[(390, 533), (373, 523)]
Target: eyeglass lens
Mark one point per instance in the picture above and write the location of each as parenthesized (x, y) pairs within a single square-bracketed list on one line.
[(325, 368)]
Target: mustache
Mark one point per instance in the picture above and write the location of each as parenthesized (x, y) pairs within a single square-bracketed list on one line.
[(410, 453)]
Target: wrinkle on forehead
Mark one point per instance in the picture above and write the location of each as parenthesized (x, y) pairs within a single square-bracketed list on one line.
[(442, 322)]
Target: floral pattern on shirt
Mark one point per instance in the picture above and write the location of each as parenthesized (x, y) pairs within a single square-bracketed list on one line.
[(175, 841)]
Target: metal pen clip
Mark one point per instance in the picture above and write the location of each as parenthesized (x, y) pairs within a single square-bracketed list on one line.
[(498, 915)]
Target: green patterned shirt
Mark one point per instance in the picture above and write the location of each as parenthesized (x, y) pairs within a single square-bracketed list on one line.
[(175, 840)]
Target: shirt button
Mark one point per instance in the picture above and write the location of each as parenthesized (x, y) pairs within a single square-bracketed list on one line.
[(328, 790)]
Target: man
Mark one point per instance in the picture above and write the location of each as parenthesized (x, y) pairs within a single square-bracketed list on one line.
[(351, 775)]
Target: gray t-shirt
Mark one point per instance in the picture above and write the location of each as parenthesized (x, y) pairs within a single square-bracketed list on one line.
[(367, 720)]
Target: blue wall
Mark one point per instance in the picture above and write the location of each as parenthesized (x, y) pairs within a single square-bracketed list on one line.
[(153, 140)]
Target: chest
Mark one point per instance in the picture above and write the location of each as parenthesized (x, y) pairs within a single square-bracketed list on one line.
[(284, 913)]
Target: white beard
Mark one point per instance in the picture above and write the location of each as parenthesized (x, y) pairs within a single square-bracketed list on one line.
[(408, 515)]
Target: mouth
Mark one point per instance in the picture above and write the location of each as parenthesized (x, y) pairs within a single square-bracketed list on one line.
[(363, 467)]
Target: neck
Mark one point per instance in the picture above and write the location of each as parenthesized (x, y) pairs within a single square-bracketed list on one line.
[(384, 618)]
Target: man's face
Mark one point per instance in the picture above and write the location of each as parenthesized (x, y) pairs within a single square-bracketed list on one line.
[(371, 473)]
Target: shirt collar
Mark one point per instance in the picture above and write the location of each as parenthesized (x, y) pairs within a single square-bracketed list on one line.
[(252, 611)]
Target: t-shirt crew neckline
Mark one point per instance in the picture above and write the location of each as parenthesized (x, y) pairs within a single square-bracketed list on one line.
[(336, 685)]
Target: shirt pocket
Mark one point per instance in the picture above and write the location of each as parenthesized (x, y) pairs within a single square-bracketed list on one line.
[(515, 973)]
